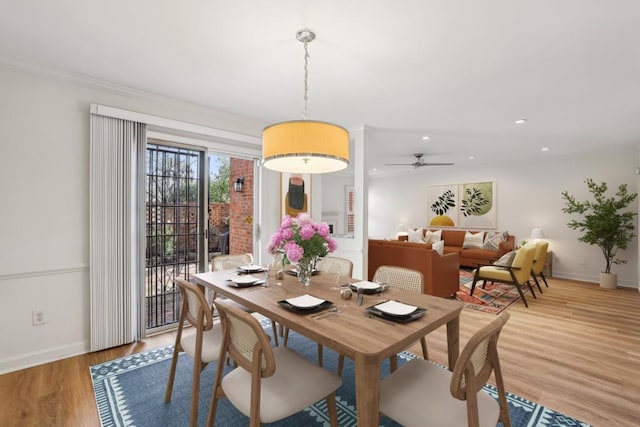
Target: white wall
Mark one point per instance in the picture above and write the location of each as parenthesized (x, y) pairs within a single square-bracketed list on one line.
[(528, 196), (44, 208)]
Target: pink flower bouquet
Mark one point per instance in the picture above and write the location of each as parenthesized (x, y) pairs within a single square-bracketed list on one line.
[(301, 239)]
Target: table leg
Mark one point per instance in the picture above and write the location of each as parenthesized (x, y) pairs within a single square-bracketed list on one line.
[(453, 341), (367, 390)]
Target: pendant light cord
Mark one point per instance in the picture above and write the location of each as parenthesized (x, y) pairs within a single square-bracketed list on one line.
[(306, 77)]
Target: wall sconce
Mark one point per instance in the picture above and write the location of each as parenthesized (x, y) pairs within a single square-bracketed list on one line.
[(238, 186)]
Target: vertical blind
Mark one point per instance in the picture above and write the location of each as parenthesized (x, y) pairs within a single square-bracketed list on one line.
[(116, 259)]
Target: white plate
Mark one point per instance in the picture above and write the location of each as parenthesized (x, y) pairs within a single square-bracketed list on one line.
[(366, 285), (396, 308), (244, 280), (251, 268), (305, 301)]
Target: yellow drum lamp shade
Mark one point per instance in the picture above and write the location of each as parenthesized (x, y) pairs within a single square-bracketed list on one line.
[(305, 146)]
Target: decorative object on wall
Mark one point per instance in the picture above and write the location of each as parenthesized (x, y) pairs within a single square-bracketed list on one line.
[(443, 205), (478, 205), (305, 146), (238, 186), (295, 193), (350, 203)]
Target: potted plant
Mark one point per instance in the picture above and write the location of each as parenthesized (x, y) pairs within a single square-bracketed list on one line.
[(605, 221)]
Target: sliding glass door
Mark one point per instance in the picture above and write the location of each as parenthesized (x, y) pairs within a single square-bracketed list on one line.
[(175, 226)]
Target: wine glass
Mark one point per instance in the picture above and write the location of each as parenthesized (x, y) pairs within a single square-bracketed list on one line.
[(334, 268)]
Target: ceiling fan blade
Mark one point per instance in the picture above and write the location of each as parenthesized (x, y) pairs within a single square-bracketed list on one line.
[(399, 164), (437, 164)]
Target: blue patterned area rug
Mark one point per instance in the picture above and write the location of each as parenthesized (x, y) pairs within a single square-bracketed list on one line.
[(130, 392)]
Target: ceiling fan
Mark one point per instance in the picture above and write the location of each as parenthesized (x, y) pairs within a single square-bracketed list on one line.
[(419, 162)]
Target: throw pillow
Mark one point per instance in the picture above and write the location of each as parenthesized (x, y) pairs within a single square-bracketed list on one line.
[(493, 240), (415, 236), (472, 240), (438, 247), (432, 236), (505, 260)]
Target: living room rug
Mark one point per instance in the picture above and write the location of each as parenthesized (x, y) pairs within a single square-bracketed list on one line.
[(493, 299), (130, 392)]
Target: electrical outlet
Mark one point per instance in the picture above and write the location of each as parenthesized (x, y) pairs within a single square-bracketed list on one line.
[(38, 318)]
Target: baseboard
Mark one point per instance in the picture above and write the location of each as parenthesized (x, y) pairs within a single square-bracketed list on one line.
[(595, 280), (29, 360)]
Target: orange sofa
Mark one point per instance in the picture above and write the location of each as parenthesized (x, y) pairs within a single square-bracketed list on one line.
[(440, 273), (472, 257)]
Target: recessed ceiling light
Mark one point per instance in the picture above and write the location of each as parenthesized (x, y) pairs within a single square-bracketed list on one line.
[(426, 138), (544, 149), (520, 121), (471, 157)]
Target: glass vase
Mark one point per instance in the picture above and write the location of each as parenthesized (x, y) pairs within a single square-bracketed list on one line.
[(306, 267)]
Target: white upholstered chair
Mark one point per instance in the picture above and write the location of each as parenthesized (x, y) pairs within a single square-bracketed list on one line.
[(202, 343), (269, 384), (421, 393)]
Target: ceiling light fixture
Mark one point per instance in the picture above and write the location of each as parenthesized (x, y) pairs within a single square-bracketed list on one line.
[(544, 149), (521, 121), (426, 138), (305, 146)]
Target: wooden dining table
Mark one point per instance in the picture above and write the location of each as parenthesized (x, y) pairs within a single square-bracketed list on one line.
[(350, 332)]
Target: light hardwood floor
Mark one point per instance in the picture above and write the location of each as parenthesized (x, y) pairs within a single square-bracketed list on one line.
[(576, 349)]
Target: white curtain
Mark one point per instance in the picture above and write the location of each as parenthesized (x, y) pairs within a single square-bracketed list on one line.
[(117, 231)]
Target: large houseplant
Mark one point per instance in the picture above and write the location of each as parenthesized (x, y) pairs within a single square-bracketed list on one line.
[(605, 222)]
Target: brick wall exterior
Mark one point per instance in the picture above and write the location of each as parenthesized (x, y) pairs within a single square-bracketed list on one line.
[(241, 208)]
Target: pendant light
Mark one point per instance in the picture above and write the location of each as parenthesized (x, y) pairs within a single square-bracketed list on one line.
[(305, 146)]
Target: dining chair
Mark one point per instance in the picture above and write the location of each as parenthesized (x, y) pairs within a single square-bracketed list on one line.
[(540, 258), (517, 274), (422, 393), (400, 278), (231, 262), (269, 383), (202, 343)]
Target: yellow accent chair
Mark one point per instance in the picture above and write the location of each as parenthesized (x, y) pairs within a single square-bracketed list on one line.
[(517, 274), (538, 264)]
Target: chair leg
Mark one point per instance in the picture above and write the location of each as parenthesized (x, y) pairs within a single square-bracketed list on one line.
[(320, 357), (274, 328), (531, 289), (332, 408), (172, 374), (535, 279), (475, 280), (544, 279), (524, 300), (195, 391), (340, 365)]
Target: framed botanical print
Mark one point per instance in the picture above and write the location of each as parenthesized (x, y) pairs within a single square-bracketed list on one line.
[(295, 193), (478, 205), (443, 205)]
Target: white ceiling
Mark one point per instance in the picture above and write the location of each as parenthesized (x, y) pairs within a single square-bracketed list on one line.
[(460, 71)]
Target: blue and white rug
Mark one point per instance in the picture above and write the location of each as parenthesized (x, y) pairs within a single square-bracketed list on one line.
[(130, 392)]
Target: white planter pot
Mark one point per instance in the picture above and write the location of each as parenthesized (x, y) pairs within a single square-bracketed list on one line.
[(608, 280)]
